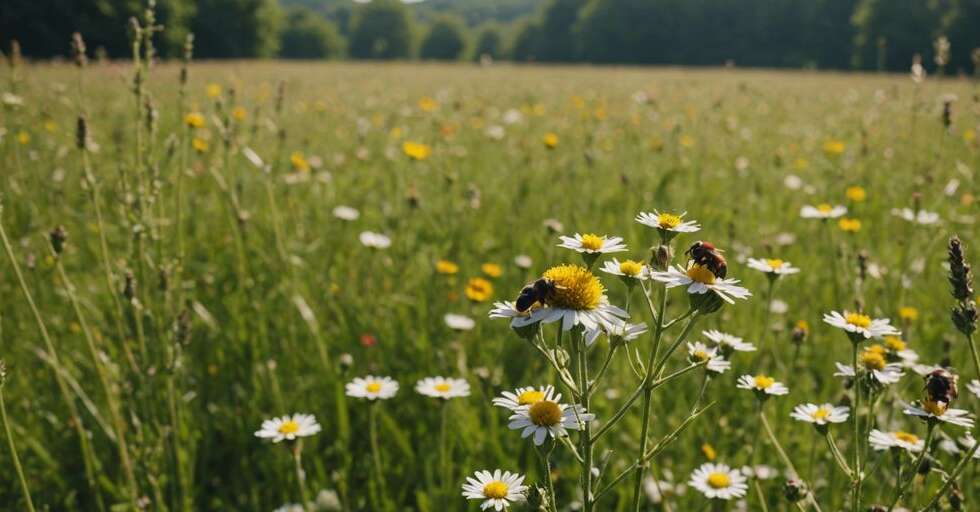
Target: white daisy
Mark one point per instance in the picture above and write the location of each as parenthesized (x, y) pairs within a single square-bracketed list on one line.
[(526, 396), (700, 280), (882, 374), (578, 299), (772, 266), (372, 387), (592, 244), (288, 427), (498, 489), (698, 352), (459, 322), (441, 387), (939, 411), (523, 261), (859, 325), (507, 309), (719, 481), (760, 471), (668, 223), (291, 507), (968, 441), (974, 387), (346, 213), (374, 240), (624, 331), (822, 211), (657, 489), (548, 417), (920, 217), (820, 414), (628, 269), (762, 384), (881, 440), (728, 343)]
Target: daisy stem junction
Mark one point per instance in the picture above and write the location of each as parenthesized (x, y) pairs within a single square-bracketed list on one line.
[(900, 492)]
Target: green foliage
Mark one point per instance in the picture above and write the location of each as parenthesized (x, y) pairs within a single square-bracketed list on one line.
[(309, 36), (526, 42), (382, 29), (890, 32), (489, 41), (445, 40), (237, 28), (557, 42)]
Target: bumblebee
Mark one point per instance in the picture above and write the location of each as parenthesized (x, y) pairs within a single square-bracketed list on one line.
[(538, 291), (708, 256), (941, 386)]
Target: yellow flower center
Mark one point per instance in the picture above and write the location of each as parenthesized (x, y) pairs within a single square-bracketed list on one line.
[(373, 387), (908, 438), (495, 490), (821, 413), (592, 242), (859, 320), (895, 343), (719, 480), (934, 408), (289, 427), (631, 268), (824, 208), (669, 221), (576, 287), (700, 355), (443, 387), (764, 381), (701, 274), (775, 263), (531, 396), (873, 360), (545, 413)]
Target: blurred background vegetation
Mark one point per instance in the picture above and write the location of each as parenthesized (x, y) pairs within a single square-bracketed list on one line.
[(826, 34)]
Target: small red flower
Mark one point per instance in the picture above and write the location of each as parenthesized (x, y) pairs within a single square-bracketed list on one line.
[(368, 340)]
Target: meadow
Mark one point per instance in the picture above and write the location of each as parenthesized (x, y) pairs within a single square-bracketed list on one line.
[(205, 252)]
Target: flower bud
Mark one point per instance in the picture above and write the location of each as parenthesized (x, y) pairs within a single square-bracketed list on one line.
[(795, 490), (58, 237)]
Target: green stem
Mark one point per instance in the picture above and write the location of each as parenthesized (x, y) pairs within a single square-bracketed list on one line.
[(376, 456), (13, 451), (300, 474), (856, 476), (915, 467), (838, 457)]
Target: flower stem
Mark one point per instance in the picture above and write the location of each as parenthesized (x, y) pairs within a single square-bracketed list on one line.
[(915, 468), (856, 476), (838, 457), (300, 474), (382, 499), (13, 453)]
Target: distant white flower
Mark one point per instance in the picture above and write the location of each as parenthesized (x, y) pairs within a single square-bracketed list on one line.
[(523, 261), (526, 396), (592, 244), (657, 489), (624, 331), (700, 280), (728, 342), (11, 100), (288, 427), (372, 387), (497, 489), (884, 375), (513, 116), (627, 268), (459, 322), (778, 307), (698, 352), (762, 384), (793, 182), (441, 387), (291, 507), (375, 240), (920, 217), (974, 387), (773, 266), (668, 222), (820, 414), (939, 411), (822, 211), (346, 213), (760, 471), (327, 500), (881, 440), (860, 324), (548, 418), (719, 481)]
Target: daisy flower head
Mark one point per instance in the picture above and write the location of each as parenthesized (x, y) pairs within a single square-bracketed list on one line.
[(719, 481), (498, 489), (974, 387), (698, 352), (624, 332), (441, 387), (668, 225), (590, 246), (728, 343), (699, 280), (372, 388), (374, 240), (346, 213), (630, 271), (548, 418), (577, 298), (881, 440), (878, 372), (772, 267), (526, 396), (458, 322), (762, 385), (859, 326), (920, 217), (288, 428), (822, 211), (935, 412), (820, 415)]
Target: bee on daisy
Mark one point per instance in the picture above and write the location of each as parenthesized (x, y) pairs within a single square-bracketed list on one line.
[(719, 481), (859, 326), (548, 418), (498, 490), (933, 411), (699, 280), (288, 428), (372, 388), (441, 387), (762, 385), (881, 440), (575, 296), (668, 225), (823, 211)]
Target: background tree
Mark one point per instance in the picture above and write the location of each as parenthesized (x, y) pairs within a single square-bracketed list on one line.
[(557, 42), (445, 40), (897, 29), (961, 24), (524, 47), (382, 29), (489, 41), (236, 28), (309, 36)]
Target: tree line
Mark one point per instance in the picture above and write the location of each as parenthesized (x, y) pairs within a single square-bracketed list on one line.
[(826, 34)]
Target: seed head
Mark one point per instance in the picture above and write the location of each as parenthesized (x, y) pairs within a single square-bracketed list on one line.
[(960, 276), (78, 50)]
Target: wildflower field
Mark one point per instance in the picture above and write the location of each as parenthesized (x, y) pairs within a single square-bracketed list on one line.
[(254, 285)]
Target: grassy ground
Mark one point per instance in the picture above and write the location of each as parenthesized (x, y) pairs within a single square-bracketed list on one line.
[(215, 294)]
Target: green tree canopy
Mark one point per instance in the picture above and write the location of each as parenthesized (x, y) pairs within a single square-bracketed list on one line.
[(489, 41), (236, 28), (444, 41), (382, 29), (309, 36)]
